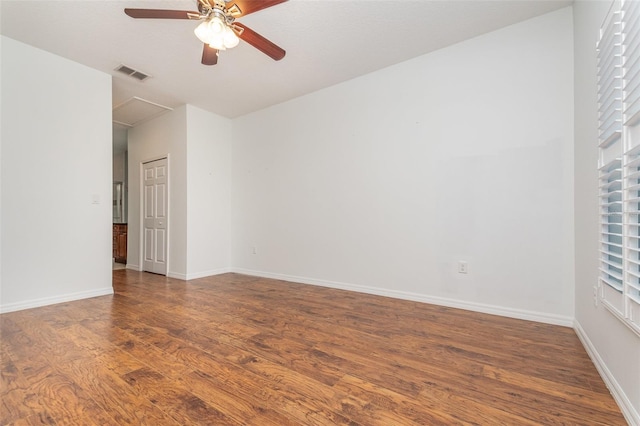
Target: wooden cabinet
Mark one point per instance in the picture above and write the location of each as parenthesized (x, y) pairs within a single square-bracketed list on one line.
[(120, 242)]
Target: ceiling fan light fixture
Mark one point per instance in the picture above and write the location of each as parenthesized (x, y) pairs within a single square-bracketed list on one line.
[(216, 26), (216, 33), (217, 44), (202, 32), (230, 38)]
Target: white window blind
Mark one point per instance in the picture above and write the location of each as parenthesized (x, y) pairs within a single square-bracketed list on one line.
[(610, 78), (632, 215), (631, 63), (618, 53), (611, 268)]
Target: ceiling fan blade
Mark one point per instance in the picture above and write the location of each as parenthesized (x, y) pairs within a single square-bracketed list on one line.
[(262, 44), (209, 55), (160, 13), (250, 6)]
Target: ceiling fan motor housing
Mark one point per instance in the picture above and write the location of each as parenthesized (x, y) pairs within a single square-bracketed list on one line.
[(208, 8)]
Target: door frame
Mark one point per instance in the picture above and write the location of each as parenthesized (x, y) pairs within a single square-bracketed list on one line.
[(141, 208)]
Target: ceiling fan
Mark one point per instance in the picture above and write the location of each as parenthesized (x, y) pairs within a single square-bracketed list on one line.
[(219, 29)]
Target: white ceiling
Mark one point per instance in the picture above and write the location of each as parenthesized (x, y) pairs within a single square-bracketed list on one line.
[(327, 42)]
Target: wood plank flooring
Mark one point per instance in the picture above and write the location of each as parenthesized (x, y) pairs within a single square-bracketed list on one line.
[(239, 350)]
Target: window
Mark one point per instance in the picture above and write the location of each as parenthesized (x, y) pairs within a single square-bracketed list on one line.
[(618, 53)]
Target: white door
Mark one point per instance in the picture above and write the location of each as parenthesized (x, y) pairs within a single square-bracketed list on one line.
[(154, 219)]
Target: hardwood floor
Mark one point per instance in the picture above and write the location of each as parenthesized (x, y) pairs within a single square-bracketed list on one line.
[(239, 350)]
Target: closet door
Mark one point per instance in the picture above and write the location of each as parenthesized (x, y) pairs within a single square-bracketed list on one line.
[(155, 216)]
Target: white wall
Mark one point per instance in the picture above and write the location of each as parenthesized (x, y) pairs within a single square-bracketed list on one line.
[(1, 58), (208, 193), (164, 136), (613, 346), (119, 166), (198, 145), (383, 183), (56, 161)]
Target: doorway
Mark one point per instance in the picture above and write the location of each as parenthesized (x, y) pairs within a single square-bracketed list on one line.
[(154, 216), (119, 198)]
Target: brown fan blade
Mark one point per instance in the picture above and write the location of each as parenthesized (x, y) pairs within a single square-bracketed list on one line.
[(209, 55), (250, 6), (260, 43), (159, 13)]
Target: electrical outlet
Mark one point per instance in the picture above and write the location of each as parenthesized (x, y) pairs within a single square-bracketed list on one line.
[(254, 250), (463, 267)]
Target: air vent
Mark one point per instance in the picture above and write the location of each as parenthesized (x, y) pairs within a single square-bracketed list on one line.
[(138, 75)]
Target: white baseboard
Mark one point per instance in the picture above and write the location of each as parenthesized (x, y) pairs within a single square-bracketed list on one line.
[(628, 411), (177, 276), (542, 317), (134, 267), (36, 303), (210, 273), (196, 275)]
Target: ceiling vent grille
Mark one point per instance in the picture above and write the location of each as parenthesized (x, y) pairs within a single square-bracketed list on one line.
[(138, 75)]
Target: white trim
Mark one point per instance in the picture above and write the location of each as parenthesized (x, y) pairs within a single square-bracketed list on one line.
[(176, 275), (630, 414), (502, 311), (134, 267), (45, 301), (140, 216), (614, 311), (196, 275), (155, 158), (210, 273)]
